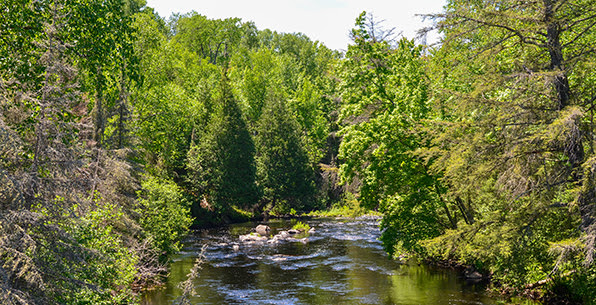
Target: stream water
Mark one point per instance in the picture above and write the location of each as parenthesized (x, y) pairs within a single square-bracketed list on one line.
[(343, 262)]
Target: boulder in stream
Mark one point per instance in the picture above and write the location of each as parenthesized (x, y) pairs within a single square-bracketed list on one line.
[(471, 274), (263, 230), (281, 236), (298, 240), (253, 238)]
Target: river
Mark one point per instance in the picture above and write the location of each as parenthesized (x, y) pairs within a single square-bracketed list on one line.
[(342, 262)]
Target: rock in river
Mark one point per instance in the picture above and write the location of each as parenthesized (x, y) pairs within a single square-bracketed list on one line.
[(471, 274), (252, 238), (263, 230)]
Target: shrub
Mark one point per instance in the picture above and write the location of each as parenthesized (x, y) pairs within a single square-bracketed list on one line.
[(109, 267), (164, 214), (300, 226)]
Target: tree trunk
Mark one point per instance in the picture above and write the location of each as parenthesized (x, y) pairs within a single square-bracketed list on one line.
[(99, 116), (465, 211), (122, 111), (452, 219), (555, 51)]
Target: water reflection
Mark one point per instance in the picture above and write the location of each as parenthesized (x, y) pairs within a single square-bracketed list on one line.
[(342, 263)]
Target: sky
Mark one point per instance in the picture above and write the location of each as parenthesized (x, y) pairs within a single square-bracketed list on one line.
[(328, 21)]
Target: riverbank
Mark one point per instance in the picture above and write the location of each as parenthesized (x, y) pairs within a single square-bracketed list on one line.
[(205, 218), (530, 296)]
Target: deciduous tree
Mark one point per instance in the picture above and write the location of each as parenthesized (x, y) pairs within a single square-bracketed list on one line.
[(384, 94)]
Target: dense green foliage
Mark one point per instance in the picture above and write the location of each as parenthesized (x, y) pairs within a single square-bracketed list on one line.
[(385, 100), (283, 170), (110, 266), (222, 166), (63, 198), (115, 125), (480, 152), (514, 143), (164, 214), (118, 129)]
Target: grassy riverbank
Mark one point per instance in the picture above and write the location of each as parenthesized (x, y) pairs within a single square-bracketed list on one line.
[(343, 211), (348, 207)]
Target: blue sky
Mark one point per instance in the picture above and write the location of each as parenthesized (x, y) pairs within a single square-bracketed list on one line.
[(328, 21)]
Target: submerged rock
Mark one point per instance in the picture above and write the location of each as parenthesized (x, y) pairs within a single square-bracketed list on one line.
[(281, 236), (298, 240)]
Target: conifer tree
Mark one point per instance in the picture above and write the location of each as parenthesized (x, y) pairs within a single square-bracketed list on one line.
[(513, 142), (221, 166), (41, 172), (283, 171)]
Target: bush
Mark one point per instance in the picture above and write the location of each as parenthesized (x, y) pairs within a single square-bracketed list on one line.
[(109, 267), (302, 227), (165, 214), (347, 207)]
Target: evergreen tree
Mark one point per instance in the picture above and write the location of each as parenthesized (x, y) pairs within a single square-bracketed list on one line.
[(221, 166), (513, 137), (283, 170), (50, 229)]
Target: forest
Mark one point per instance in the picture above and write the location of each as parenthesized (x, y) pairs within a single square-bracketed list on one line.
[(122, 130)]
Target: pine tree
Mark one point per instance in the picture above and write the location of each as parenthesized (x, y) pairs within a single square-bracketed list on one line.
[(283, 171), (221, 166), (41, 166), (514, 135)]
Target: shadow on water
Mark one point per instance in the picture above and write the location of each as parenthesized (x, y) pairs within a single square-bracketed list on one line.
[(343, 262)]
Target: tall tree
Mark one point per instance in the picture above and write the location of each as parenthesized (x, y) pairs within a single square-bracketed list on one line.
[(308, 105), (22, 24), (284, 173), (102, 31), (513, 138), (212, 39), (221, 166), (174, 102), (43, 180), (384, 93)]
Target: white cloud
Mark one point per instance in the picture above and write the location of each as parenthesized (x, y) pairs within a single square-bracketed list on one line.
[(328, 21)]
